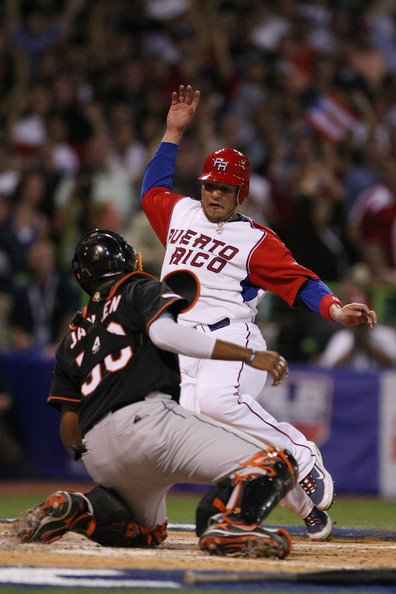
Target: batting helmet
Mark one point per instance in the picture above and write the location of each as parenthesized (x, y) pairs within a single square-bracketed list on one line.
[(101, 254), (228, 166)]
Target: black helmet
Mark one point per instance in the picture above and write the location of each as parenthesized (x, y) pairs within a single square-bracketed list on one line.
[(101, 254)]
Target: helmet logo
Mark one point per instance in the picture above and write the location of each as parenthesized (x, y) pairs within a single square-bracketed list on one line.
[(220, 164), (96, 255)]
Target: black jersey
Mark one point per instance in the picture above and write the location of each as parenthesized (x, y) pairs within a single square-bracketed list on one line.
[(106, 360)]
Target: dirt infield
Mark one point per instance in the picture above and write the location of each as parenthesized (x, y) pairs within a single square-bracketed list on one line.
[(349, 550), (180, 551)]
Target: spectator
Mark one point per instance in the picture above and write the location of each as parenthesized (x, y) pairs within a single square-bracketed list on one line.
[(372, 271), (43, 306), (38, 28), (6, 270), (145, 241), (109, 187), (27, 221), (356, 348), (28, 123), (72, 212), (9, 169), (10, 447), (64, 158), (324, 249), (378, 280), (373, 215)]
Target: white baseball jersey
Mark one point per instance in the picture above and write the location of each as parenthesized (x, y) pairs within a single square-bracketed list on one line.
[(236, 262)]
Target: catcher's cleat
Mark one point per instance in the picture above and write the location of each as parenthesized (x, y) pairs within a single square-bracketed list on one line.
[(319, 525), (318, 484), (60, 512), (239, 540)]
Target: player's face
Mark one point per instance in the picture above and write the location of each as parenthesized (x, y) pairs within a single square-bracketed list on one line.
[(219, 201)]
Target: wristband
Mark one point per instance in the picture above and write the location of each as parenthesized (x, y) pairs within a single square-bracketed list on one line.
[(325, 303), (250, 358), (78, 449)]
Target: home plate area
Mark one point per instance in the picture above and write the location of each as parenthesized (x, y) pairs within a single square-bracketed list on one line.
[(350, 559)]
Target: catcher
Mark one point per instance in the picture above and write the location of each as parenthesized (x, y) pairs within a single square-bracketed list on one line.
[(116, 383)]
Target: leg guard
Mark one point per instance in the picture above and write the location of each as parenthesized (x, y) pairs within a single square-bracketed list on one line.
[(212, 503), (113, 525), (261, 493), (250, 498)]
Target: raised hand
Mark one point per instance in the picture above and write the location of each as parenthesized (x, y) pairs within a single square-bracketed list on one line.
[(181, 112)]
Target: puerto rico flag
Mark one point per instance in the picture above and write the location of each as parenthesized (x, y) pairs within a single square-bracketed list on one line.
[(331, 117)]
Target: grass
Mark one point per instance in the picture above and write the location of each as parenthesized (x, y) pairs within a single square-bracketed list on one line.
[(346, 512)]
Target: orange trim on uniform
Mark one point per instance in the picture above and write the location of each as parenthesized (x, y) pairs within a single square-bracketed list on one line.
[(198, 292), (218, 504), (53, 397), (124, 278)]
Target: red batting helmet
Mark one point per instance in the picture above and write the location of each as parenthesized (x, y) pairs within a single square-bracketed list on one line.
[(228, 166)]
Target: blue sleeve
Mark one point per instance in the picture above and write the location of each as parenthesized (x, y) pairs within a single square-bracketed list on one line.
[(161, 168), (312, 294)]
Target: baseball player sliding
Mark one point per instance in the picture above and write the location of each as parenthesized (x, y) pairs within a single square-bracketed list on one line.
[(118, 390), (237, 261)]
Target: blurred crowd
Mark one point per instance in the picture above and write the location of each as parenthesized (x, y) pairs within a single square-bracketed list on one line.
[(307, 89)]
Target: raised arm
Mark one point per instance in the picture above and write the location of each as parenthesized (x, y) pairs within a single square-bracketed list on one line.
[(180, 114), (160, 170)]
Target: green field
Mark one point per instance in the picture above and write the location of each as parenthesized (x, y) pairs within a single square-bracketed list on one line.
[(346, 512)]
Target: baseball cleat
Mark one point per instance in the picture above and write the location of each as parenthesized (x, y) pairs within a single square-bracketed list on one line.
[(60, 512), (238, 540), (319, 525), (318, 484)]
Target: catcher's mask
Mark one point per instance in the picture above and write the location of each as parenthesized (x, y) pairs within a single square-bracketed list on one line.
[(228, 166), (101, 254)]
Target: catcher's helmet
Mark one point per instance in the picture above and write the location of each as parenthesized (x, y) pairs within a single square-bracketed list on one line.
[(101, 254), (229, 166)]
